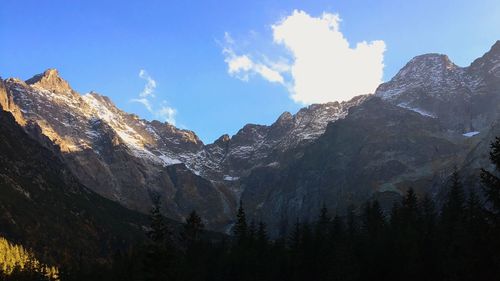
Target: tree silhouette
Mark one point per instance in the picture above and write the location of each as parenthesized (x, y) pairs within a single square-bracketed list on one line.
[(240, 230), (193, 228), (158, 263), (491, 182)]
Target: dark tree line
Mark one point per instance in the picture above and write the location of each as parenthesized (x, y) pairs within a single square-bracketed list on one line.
[(415, 240)]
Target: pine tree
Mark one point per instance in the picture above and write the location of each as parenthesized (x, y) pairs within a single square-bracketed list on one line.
[(428, 215), (373, 219), (396, 221), (491, 186), (453, 208), (474, 213), (476, 246), (453, 236), (252, 232), (373, 224), (295, 236), (428, 246), (240, 229), (159, 232), (322, 225), (158, 263), (262, 237), (352, 224), (193, 228), (410, 207), (491, 182), (324, 217), (337, 228)]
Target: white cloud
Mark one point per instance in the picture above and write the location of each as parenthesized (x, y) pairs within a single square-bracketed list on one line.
[(323, 66), (268, 73), (164, 112), (144, 102), (150, 86), (242, 66), (228, 39)]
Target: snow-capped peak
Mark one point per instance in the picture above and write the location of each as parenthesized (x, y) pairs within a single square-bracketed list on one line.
[(434, 86)]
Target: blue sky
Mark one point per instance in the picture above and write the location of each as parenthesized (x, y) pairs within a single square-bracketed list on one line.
[(183, 47)]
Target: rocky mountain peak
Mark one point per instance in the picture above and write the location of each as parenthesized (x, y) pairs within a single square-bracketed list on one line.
[(496, 47), (285, 117), (285, 120), (424, 75), (223, 139), (425, 66), (489, 63), (51, 81), (435, 87)]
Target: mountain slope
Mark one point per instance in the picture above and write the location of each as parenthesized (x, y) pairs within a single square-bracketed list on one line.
[(377, 148), (436, 113), (463, 99), (117, 154), (44, 206), (125, 158), (431, 117)]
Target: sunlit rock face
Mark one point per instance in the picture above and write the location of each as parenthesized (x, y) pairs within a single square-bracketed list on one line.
[(114, 153), (125, 158), (44, 205), (446, 109)]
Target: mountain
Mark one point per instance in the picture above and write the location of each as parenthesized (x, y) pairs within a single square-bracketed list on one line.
[(433, 115), (125, 159), (463, 99), (258, 145), (116, 154), (378, 148), (45, 208)]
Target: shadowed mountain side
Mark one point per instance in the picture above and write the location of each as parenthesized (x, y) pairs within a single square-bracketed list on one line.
[(425, 120), (378, 147), (44, 207), (463, 99)]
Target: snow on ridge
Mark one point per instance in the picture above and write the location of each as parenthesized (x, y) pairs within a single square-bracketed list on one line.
[(230, 178), (138, 145), (167, 161), (131, 138), (417, 110), (470, 134)]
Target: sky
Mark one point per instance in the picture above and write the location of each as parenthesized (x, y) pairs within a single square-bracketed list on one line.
[(214, 66)]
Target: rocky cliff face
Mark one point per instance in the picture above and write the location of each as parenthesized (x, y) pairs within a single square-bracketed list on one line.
[(463, 99), (257, 145), (114, 153), (125, 158), (431, 116), (378, 148), (43, 205)]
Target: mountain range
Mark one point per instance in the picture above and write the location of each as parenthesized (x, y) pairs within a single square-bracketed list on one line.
[(429, 118), (44, 207)]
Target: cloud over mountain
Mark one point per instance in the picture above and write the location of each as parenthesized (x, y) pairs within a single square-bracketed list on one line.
[(163, 112), (322, 65), (242, 66)]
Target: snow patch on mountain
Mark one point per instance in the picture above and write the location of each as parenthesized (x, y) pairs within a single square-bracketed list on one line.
[(470, 134), (417, 110), (230, 178), (169, 161)]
